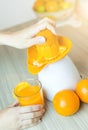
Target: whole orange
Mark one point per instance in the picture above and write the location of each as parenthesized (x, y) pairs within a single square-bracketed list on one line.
[(82, 90), (52, 6), (37, 4), (66, 102)]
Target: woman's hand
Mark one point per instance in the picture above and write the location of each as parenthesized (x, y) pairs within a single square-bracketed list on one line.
[(27, 37), (16, 117)]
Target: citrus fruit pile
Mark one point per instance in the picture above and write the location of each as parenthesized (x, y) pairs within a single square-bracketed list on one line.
[(42, 6), (67, 102)]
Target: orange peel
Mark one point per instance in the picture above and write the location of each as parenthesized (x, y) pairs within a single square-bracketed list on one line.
[(54, 49)]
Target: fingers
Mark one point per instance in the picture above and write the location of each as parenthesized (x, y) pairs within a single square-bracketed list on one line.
[(30, 121), (45, 25), (46, 19), (27, 37), (22, 116), (34, 41), (14, 104), (30, 125), (32, 115), (32, 108)]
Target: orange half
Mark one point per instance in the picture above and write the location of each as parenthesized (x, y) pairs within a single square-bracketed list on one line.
[(54, 49)]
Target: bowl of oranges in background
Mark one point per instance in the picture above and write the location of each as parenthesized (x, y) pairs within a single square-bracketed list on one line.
[(55, 9)]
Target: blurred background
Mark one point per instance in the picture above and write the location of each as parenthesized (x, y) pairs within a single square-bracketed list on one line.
[(13, 12)]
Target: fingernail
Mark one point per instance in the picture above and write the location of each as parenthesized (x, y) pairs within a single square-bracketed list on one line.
[(42, 40)]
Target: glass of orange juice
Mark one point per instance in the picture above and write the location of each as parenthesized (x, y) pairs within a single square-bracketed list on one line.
[(29, 92)]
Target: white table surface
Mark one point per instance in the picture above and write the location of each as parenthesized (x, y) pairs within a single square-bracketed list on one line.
[(13, 68)]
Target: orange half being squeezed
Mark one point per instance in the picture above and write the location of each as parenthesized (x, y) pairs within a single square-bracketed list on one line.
[(54, 49)]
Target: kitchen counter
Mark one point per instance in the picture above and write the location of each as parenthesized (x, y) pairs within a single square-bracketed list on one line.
[(13, 69)]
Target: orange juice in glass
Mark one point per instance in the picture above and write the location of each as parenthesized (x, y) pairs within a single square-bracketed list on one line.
[(29, 92)]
